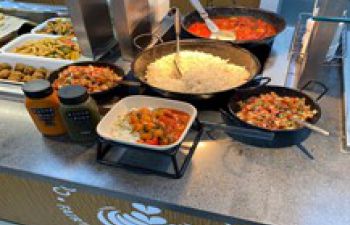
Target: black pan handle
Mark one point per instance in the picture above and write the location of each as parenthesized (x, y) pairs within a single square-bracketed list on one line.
[(244, 132), (263, 81), (323, 86), (154, 39), (226, 113), (130, 83)]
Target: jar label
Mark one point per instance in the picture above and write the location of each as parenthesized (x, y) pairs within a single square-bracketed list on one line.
[(81, 119), (46, 115)]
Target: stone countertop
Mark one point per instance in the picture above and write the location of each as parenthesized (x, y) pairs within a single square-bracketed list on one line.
[(274, 186)]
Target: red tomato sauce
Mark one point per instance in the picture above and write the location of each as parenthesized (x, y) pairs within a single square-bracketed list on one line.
[(245, 28)]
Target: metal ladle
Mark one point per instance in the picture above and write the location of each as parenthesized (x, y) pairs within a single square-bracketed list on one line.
[(216, 33)]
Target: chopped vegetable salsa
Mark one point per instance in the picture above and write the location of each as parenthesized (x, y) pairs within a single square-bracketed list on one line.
[(274, 112), (93, 78)]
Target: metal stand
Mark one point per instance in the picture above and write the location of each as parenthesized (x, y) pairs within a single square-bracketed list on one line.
[(169, 156)]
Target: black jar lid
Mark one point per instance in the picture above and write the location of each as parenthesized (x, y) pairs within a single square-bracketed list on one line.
[(72, 94), (37, 89)]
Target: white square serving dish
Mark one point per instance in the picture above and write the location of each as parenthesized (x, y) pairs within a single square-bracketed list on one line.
[(6, 49), (44, 24), (13, 60), (127, 104)]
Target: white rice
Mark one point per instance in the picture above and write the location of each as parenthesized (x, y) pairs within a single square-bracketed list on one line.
[(202, 73), (122, 130)]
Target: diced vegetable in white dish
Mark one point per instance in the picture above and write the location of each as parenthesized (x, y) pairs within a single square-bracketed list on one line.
[(106, 127), (40, 27)]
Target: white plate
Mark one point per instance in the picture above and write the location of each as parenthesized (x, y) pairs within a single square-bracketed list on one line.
[(127, 104), (30, 37), (44, 24)]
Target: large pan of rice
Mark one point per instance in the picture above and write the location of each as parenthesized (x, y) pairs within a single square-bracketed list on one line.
[(209, 69)]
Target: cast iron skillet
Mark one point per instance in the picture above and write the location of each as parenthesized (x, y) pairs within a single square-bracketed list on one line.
[(100, 96), (234, 54), (219, 12), (282, 138)]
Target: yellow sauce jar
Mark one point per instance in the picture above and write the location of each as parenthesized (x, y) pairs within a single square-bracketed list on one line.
[(43, 106)]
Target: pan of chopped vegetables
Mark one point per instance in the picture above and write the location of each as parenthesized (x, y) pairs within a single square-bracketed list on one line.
[(99, 78), (275, 109)]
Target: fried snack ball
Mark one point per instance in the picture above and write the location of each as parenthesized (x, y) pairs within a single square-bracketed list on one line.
[(22, 72), (5, 66), (27, 78), (43, 71), (44, 74), (20, 67), (28, 70), (5, 73), (38, 75), (15, 76)]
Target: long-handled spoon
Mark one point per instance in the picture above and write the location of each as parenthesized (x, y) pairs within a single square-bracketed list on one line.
[(177, 54), (311, 127), (216, 33)]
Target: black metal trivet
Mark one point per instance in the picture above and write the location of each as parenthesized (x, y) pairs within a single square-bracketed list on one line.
[(150, 161)]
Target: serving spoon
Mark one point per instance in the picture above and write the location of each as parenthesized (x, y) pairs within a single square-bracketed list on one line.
[(216, 33), (311, 126), (177, 54)]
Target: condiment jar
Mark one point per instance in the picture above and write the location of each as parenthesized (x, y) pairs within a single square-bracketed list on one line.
[(42, 104), (79, 112)]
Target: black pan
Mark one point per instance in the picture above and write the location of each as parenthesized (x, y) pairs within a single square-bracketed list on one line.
[(219, 12), (282, 138), (234, 54), (99, 96)]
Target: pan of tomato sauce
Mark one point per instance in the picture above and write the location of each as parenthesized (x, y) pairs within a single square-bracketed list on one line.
[(250, 25), (244, 27)]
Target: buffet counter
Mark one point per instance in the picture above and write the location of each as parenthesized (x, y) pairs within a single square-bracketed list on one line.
[(55, 181)]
